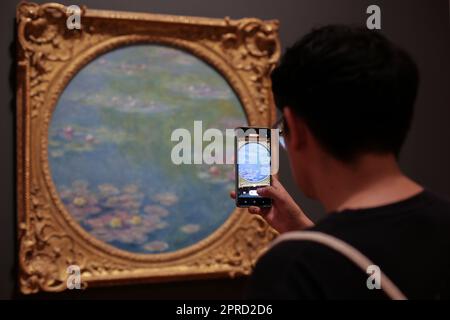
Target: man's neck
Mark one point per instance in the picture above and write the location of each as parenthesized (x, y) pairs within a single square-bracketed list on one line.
[(371, 181)]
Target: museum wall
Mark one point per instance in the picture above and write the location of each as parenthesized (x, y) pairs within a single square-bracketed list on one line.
[(421, 27)]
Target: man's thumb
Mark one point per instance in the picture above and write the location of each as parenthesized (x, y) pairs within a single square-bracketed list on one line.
[(268, 192)]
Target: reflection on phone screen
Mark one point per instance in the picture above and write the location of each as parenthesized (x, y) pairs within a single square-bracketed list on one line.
[(253, 167)]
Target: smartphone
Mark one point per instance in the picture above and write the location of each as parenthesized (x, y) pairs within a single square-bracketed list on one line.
[(252, 165)]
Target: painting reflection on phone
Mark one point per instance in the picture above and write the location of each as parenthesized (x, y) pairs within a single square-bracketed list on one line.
[(253, 166)]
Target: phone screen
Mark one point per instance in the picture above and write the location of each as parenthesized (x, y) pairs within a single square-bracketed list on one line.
[(253, 165)]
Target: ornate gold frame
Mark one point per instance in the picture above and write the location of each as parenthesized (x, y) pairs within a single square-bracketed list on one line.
[(49, 55)]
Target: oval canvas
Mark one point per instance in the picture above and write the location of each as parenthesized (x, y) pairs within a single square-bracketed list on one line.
[(110, 149)]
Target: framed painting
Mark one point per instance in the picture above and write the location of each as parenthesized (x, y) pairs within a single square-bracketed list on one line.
[(97, 191)]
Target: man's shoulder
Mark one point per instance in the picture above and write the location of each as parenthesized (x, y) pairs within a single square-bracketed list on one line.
[(439, 203), (288, 270), (432, 214), (297, 252), (298, 269)]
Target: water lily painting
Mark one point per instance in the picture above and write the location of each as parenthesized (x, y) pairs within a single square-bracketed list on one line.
[(101, 190), (110, 145)]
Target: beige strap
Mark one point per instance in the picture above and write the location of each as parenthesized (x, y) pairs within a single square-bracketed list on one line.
[(345, 249)]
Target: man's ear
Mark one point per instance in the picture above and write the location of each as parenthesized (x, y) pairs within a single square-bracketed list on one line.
[(297, 131)]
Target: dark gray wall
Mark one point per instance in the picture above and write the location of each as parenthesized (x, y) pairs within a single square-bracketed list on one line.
[(421, 26)]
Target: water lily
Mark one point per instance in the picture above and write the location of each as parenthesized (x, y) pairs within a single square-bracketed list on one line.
[(135, 220), (190, 228), (161, 225), (80, 187), (65, 193), (130, 188), (68, 132), (57, 153), (108, 190), (89, 138), (214, 170), (115, 223), (79, 201), (156, 210), (156, 246), (166, 198)]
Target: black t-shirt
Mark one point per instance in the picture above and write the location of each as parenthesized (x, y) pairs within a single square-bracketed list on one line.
[(409, 241)]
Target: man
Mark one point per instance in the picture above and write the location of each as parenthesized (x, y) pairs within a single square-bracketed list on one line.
[(347, 99)]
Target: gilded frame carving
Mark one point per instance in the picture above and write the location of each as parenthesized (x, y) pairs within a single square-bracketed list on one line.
[(49, 55)]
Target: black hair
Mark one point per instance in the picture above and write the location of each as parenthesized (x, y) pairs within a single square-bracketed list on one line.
[(353, 87)]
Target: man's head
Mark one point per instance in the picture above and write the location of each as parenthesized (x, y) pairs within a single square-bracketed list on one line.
[(344, 92)]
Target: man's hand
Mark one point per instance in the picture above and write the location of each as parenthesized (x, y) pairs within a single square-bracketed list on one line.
[(284, 215)]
